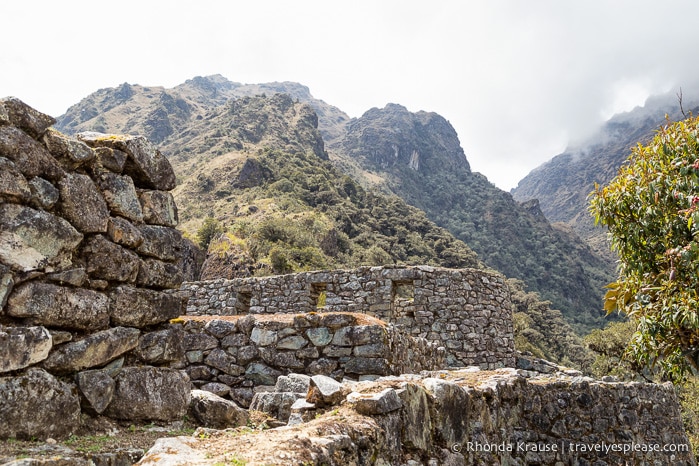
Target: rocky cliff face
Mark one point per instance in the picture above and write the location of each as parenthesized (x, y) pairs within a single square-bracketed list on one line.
[(88, 251), (563, 184), (418, 157)]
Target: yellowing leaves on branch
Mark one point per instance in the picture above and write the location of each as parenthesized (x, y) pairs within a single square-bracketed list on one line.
[(651, 210)]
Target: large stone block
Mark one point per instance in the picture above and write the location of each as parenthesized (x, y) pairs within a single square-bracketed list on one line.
[(150, 394), (159, 208), (25, 117), (33, 239), (23, 346), (137, 307), (37, 405), (109, 261), (59, 306), (212, 411), (82, 204), (44, 194), (13, 186), (93, 351), (70, 152), (97, 388), (158, 274), (123, 232), (30, 157), (163, 243), (162, 346), (120, 194), (145, 164)]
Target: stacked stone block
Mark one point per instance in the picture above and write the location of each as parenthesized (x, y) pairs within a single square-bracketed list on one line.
[(467, 311), (235, 356), (87, 254)]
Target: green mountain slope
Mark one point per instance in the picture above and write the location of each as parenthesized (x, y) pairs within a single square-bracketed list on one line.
[(254, 179), (418, 157)]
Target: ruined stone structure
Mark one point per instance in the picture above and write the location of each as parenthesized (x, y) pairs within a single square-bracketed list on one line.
[(466, 311), (233, 356), (87, 248), (91, 322)]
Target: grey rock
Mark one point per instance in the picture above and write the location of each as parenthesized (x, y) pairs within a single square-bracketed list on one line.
[(94, 350), (294, 342), (373, 350), (60, 336), (59, 306), (75, 277), (322, 366), (137, 307), (123, 232), (159, 208), (54, 406), (359, 335), (163, 243), (70, 152), (162, 346), (296, 383), (220, 328), (23, 346), (7, 282), (82, 204), (158, 274), (199, 341), (120, 194), (417, 427), (210, 410), (44, 194), (31, 158), (319, 336), (451, 406), (224, 362), (378, 366), (383, 402), (261, 374), (145, 164), (194, 357), (111, 159), (276, 404), (34, 239), (13, 186), (97, 388), (25, 117), (263, 337), (217, 388), (150, 394), (172, 451), (325, 391), (109, 261)]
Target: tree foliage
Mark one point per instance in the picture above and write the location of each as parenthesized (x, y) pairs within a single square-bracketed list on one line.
[(651, 210)]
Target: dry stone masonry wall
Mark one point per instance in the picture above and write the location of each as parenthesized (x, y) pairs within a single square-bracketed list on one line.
[(237, 356), (466, 311), (87, 251)]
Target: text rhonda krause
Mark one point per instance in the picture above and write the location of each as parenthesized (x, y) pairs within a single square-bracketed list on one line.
[(570, 447)]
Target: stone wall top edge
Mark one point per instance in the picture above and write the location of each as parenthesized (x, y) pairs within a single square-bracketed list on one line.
[(359, 270)]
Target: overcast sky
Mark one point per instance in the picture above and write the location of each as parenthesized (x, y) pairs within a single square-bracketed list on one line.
[(518, 79)]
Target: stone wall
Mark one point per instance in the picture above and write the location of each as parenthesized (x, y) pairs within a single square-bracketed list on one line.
[(87, 250), (467, 311), (230, 356), (463, 417)]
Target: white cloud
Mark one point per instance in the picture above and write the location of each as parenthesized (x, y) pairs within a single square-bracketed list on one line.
[(518, 80)]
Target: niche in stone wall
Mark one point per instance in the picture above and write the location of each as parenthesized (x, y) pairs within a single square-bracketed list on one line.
[(318, 295), (403, 298), (242, 302)]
